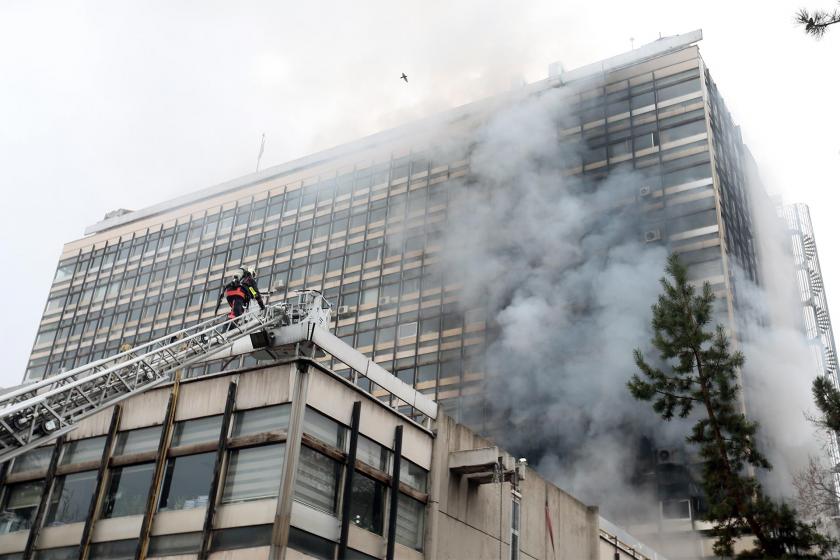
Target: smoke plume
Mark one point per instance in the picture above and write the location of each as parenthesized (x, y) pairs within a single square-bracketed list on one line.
[(560, 265), (561, 268)]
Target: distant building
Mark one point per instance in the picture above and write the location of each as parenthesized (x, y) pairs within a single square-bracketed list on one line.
[(255, 463), (815, 315)]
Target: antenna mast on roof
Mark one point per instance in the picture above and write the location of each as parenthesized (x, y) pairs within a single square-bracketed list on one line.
[(262, 149)]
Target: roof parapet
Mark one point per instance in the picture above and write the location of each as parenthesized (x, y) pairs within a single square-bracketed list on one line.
[(659, 47)]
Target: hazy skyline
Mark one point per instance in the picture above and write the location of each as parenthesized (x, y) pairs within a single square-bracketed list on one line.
[(109, 105)]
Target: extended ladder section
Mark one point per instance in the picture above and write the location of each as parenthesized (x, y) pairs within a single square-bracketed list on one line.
[(38, 412)]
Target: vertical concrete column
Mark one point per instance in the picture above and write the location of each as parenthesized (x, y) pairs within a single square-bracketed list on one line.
[(38, 522), (215, 484), (395, 494), (438, 479), (99, 489), (350, 465), (283, 514), (594, 526), (157, 476)]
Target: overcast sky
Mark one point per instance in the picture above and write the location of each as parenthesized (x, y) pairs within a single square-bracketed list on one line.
[(125, 104)]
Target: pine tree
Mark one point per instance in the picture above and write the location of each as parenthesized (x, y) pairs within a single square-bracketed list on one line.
[(827, 399), (698, 370)]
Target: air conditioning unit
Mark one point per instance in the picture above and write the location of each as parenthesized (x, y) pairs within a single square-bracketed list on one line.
[(386, 300), (652, 235), (645, 191), (669, 457), (343, 310)]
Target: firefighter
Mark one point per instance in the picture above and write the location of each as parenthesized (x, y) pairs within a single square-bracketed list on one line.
[(249, 284), (239, 292)]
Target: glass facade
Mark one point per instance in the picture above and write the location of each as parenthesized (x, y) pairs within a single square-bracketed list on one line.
[(369, 234)]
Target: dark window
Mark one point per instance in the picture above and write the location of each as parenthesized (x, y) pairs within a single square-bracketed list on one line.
[(241, 537), (175, 544), (114, 550), (186, 482), (71, 498), (62, 553), (367, 503), (128, 490), (311, 545)]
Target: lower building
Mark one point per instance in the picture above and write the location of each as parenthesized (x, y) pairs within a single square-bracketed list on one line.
[(256, 463)]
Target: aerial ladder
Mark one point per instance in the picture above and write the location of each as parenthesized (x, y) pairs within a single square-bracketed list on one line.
[(36, 413)]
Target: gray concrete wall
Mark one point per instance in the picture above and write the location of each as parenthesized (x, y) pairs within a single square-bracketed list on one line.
[(473, 519)]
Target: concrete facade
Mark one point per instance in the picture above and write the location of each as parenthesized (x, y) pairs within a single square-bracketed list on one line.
[(279, 436)]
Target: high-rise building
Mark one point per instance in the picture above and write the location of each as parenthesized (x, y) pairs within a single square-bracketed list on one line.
[(369, 224)]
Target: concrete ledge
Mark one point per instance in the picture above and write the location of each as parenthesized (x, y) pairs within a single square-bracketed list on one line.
[(472, 461)]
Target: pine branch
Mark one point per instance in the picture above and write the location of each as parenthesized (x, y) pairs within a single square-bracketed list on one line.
[(817, 22)]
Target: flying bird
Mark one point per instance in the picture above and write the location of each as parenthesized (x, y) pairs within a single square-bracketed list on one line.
[(404, 77)]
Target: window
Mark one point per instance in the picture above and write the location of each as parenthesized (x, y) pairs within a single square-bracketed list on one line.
[(71, 498), (686, 175), (54, 305), (311, 545), (413, 475), (241, 537), (20, 502), (683, 131), (37, 459), (258, 420), (138, 441), (186, 482), (62, 553), (367, 503), (254, 473), (64, 273), (371, 453), (82, 450), (44, 339), (411, 521), (323, 428), (113, 550), (175, 544), (677, 90), (317, 480), (199, 430), (676, 509), (408, 330), (128, 490)]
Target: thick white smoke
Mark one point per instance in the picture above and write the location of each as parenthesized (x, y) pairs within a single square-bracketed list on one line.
[(780, 364), (561, 267), (568, 282)]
